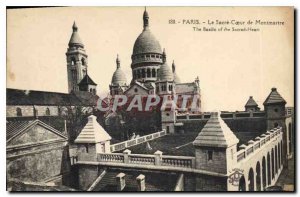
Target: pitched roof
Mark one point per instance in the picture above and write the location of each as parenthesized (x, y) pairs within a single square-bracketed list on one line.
[(215, 133), (86, 98), (87, 81), (274, 98), (182, 88), (33, 97), (251, 102), (14, 128), (92, 132)]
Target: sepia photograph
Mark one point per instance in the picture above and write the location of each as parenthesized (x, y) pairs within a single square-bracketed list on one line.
[(150, 99)]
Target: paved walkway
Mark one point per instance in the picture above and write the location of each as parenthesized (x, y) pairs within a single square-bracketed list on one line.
[(286, 178)]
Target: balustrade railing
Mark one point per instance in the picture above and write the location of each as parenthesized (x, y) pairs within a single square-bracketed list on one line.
[(186, 162), (112, 157), (143, 159), (259, 143), (133, 142)]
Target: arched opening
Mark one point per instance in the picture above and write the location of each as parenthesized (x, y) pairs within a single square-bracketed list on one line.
[(19, 111), (258, 177), (276, 160), (143, 73), (83, 61), (94, 91), (242, 184), (264, 172), (91, 90), (251, 179), (272, 162), (269, 168), (290, 138), (47, 111), (153, 72), (148, 73), (275, 124), (138, 74), (73, 61)]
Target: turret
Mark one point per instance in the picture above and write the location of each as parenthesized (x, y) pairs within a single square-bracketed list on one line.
[(216, 146)]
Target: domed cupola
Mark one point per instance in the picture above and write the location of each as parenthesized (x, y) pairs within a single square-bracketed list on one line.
[(165, 73), (165, 81), (118, 77), (176, 78), (147, 54), (75, 38)]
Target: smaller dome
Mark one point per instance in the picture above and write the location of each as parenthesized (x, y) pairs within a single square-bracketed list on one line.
[(165, 73), (118, 77)]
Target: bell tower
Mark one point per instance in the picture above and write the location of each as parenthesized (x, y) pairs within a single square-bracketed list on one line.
[(76, 60)]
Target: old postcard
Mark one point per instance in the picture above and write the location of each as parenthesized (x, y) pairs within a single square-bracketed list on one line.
[(150, 99)]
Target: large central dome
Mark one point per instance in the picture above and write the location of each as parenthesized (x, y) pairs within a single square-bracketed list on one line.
[(146, 43)]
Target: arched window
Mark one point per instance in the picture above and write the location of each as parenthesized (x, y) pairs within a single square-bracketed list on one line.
[(47, 111), (153, 72), (138, 74), (74, 78), (91, 90), (148, 73), (94, 91), (73, 61), (143, 73), (83, 61), (275, 124), (83, 72), (19, 111)]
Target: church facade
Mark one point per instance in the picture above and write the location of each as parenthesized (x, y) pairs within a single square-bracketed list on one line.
[(151, 75)]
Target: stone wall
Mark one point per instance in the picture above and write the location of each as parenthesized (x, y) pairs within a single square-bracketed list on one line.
[(210, 183), (11, 110), (217, 163), (39, 163), (28, 110), (87, 174)]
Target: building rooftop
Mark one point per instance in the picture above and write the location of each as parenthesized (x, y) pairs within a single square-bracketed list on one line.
[(92, 132), (274, 98), (251, 102), (86, 80), (216, 133), (175, 144), (34, 97)]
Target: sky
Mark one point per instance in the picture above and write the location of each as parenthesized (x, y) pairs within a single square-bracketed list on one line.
[(231, 65)]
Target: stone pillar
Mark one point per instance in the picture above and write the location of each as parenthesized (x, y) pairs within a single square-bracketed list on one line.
[(126, 153), (158, 157), (120, 178), (141, 182)]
